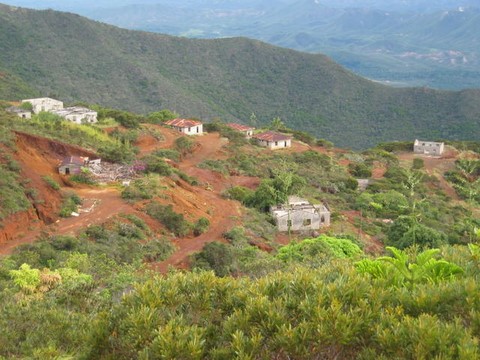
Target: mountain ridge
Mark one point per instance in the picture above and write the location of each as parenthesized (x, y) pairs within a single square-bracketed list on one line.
[(77, 59)]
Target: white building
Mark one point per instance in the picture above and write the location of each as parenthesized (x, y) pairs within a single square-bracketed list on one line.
[(273, 140), (78, 114), (428, 147), (44, 104), (186, 126), (299, 215), (247, 130)]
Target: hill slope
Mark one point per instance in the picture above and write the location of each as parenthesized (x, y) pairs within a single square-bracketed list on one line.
[(77, 59)]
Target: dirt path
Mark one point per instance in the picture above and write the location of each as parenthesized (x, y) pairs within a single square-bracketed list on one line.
[(224, 213), (98, 206)]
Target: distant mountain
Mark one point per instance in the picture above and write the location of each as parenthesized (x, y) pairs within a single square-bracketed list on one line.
[(419, 43), (72, 58)]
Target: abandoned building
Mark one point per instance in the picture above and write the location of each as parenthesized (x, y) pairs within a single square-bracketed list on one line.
[(72, 165), (77, 114), (428, 147), (299, 215), (24, 114), (186, 126), (246, 130), (44, 104), (273, 140)]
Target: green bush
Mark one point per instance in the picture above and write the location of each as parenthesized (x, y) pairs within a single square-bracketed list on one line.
[(70, 204), (174, 222), (201, 226), (214, 256), (50, 182), (143, 188), (418, 164)]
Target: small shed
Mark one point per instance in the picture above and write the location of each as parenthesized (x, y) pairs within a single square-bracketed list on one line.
[(247, 130), (72, 165), (24, 114), (186, 126), (428, 147), (300, 215), (273, 140)]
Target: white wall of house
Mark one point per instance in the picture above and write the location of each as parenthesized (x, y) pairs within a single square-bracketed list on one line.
[(278, 144), (301, 220), (44, 104), (194, 130), (80, 118), (428, 147)]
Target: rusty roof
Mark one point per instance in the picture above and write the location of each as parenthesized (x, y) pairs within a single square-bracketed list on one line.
[(183, 123), (73, 160), (240, 127), (272, 136)]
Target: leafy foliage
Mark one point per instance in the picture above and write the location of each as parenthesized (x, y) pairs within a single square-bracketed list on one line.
[(322, 246)]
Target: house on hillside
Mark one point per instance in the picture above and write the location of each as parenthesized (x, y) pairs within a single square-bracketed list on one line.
[(428, 147), (246, 130), (44, 104), (77, 114), (24, 114), (273, 140), (186, 126), (72, 165), (299, 215)]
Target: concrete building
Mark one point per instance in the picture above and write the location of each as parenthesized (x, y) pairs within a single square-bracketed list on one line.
[(72, 165), (247, 130), (186, 126), (299, 215), (273, 140), (44, 104), (428, 147), (77, 114), (24, 114)]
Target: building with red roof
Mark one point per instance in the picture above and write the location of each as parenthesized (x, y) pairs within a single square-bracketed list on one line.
[(247, 130), (273, 140), (186, 126)]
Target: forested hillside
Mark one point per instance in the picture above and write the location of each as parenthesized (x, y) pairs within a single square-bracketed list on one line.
[(75, 59), (184, 261)]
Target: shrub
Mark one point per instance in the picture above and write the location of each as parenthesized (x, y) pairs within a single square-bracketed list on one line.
[(70, 204), (50, 182), (142, 189), (418, 164), (157, 250), (174, 222), (168, 153), (157, 165), (184, 145), (215, 256), (201, 226)]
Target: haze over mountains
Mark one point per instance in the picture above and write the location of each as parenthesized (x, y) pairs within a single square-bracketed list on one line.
[(403, 43), (76, 59)]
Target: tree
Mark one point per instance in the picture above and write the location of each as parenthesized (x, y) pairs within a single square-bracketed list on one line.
[(401, 270), (277, 124), (161, 116)]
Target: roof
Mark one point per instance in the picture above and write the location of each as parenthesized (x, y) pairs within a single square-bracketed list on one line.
[(17, 110), (41, 99), (183, 123), (74, 110), (417, 142), (272, 136), (73, 160), (239, 127)]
